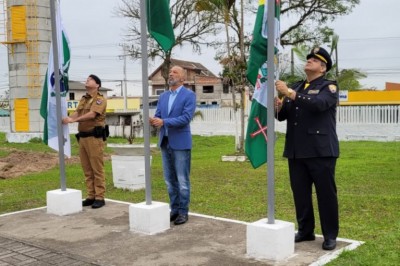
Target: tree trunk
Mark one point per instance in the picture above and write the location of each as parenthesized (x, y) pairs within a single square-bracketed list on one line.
[(232, 83), (165, 68)]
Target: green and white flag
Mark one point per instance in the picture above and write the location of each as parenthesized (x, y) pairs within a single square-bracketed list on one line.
[(48, 107), (159, 23), (256, 136)]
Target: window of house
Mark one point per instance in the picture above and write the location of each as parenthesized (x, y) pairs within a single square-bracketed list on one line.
[(126, 120), (225, 88), (159, 91), (208, 89), (72, 96)]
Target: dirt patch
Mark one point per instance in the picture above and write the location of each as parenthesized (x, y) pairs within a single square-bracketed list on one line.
[(19, 163)]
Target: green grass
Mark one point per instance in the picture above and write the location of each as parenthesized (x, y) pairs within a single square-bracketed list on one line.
[(368, 180)]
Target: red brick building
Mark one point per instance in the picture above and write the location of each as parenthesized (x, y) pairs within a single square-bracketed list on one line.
[(209, 89)]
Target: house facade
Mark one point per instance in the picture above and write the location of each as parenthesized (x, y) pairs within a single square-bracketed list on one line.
[(209, 89)]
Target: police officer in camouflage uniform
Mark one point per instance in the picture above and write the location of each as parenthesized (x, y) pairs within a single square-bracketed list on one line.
[(312, 146), (91, 114)]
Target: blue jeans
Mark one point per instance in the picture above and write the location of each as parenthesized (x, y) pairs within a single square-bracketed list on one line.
[(176, 167)]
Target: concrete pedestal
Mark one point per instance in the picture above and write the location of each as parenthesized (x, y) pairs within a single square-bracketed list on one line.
[(149, 219), (24, 137), (64, 202), (128, 172), (270, 241)]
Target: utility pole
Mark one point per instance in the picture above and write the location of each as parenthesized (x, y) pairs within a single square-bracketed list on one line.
[(337, 62), (125, 80), (242, 90), (125, 83)]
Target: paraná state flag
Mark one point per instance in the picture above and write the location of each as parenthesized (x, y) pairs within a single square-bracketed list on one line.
[(159, 23), (256, 136), (48, 107)]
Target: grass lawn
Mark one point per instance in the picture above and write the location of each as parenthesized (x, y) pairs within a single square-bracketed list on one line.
[(368, 180)]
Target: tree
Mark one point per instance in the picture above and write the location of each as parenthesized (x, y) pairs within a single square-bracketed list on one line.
[(189, 28), (348, 79), (233, 59), (311, 18), (230, 61), (305, 21), (5, 100)]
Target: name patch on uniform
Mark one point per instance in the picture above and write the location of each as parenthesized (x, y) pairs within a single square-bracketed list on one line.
[(313, 92), (332, 88), (99, 102)]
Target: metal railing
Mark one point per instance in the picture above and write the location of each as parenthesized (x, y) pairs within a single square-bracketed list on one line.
[(385, 114)]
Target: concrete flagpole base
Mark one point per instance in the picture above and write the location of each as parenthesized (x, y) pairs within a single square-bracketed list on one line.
[(270, 241), (64, 202), (149, 219)]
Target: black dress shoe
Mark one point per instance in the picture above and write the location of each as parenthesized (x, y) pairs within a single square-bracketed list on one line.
[(87, 202), (98, 204), (329, 244), (173, 216), (298, 237), (181, 219)]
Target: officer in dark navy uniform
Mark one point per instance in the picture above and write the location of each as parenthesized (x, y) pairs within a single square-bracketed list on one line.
[(312, 146)]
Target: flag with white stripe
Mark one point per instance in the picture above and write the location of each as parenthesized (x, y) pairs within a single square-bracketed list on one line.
[(48, 107)]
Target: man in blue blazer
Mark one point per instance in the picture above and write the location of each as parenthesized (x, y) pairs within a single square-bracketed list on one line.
[(175, 110)]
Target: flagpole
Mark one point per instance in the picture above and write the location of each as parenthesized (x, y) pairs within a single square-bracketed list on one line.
[(58, 97), (270, 112), (145, 101)]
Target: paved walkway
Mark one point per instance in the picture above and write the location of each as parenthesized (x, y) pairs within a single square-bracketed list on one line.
[(17, 252), (102, 237)]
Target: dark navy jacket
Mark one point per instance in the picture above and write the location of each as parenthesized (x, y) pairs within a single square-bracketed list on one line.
[(311, 120)]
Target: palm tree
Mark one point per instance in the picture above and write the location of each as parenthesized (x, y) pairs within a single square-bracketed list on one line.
[(224, 7), (348, 79)]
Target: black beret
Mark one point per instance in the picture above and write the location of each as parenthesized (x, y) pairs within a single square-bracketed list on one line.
[(96, 79), (322, 55)]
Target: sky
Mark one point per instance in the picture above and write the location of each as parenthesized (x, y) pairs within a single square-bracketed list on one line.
[(368, 38)]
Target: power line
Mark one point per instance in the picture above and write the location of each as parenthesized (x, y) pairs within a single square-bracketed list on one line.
[(369, 58), (392, 38), (104, 45), (93, 59), (91, 46)]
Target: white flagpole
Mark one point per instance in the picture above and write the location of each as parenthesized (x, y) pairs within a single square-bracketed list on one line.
[(270, 112), (58, 97), (145, 90)]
